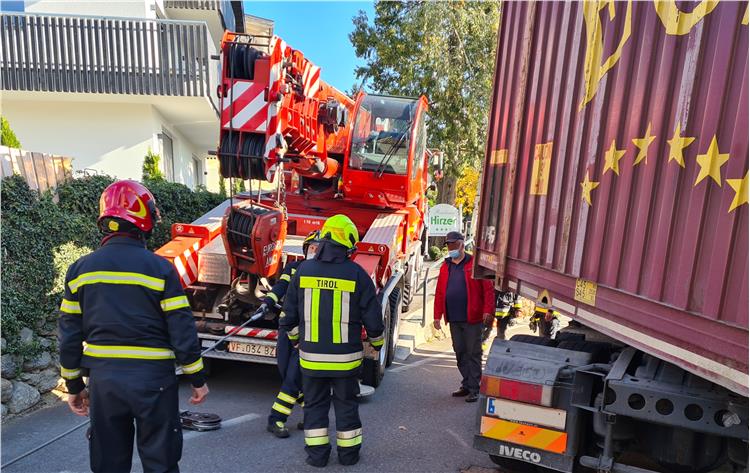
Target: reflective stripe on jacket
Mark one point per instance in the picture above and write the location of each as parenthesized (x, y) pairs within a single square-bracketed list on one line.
[(326, 305), (129, 307)]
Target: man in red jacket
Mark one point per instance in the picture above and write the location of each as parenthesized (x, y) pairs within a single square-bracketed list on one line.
[(464, 302)]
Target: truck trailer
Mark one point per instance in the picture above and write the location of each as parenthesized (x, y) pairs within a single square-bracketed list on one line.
[(615, 190)]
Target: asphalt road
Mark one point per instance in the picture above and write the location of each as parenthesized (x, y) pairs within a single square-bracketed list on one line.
[(410, 424)]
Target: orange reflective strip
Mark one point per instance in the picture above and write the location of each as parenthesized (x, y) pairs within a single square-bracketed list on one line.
[(527, 435)]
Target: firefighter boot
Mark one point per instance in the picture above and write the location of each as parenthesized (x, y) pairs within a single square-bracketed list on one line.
[(278, 429)]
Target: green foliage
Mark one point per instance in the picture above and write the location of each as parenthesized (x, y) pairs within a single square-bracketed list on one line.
[(8, 137), (151, 171), (40, 239), (436, 252), (222, 187), (444, 50), (466, 190), (177, 204), (239, 185)]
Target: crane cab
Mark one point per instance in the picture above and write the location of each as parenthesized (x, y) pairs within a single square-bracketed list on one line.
[(386, 164)]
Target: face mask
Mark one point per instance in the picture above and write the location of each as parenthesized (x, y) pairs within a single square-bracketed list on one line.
[(454, 254), (310, 255)]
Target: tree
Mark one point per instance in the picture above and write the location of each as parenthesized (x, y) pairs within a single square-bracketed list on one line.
[(466, 189), (151, 171), (8, 137), (444, 50), (222, 186)]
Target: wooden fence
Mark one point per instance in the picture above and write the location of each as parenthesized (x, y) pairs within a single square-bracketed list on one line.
[(41, 171)]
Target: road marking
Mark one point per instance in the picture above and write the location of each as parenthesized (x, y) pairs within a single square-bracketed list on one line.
[(193, 434), (435, 357), (224, 424), (458, 438)]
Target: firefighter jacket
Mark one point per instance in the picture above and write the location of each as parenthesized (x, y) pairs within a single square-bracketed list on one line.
[(328, 301), (278, 291), (503, 303), (128, 306)]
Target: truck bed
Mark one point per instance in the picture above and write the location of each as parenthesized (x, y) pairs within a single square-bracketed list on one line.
[(597, 186)]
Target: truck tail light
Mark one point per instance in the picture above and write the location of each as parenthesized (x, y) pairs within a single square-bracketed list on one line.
[(539, 394)]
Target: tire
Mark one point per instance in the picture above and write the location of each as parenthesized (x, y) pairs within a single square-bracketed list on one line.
[(533, 340), (374, 370), (396, 302), (516, 466)]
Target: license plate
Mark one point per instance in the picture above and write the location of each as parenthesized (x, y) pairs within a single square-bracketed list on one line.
[(253, 349)]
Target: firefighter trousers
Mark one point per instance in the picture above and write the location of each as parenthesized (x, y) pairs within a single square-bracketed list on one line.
[(134, 402), (318, 399), (287, 358)]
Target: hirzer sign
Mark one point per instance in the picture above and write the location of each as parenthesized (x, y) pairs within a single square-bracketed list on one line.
[(444, 218)]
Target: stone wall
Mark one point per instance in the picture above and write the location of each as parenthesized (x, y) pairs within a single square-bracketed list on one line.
[(28, 382)]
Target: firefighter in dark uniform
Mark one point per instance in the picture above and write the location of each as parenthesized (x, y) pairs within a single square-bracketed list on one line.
[(328, 301), (287, 356), (507, 308), (128, 305), (545, 319)]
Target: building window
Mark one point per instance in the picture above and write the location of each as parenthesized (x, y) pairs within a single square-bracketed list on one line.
[(167, 155), (197, 172)]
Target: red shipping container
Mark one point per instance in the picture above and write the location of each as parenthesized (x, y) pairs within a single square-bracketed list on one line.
[(616, 173)]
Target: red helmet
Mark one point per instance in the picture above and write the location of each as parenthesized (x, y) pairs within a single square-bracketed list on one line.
[(129, 201)]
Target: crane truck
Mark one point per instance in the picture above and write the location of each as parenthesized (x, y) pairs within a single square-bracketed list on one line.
[(327, 153), (615, 191)]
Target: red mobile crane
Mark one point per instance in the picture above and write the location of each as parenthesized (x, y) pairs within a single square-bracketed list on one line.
[(365, 157)]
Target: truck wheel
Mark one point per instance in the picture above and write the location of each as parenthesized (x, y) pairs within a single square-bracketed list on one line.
[(533, 340), (516, 466), (396, 301), (374, 370)]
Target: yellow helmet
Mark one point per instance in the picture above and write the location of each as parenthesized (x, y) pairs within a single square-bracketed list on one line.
[(340, 229)]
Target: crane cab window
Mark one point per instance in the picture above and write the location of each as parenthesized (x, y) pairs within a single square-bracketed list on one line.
[(382, 134)]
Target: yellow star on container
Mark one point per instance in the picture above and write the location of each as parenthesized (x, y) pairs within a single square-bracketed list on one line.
[(740, 191), (677, 144), (711, 163), (612, 159), (588, 185), (642, 144)]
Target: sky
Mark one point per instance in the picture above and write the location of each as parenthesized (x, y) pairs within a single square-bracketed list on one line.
[(321, 31)]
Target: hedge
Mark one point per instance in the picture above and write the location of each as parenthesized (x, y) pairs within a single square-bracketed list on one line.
[(40, 239)]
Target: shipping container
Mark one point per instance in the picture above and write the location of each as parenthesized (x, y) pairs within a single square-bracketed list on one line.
[(616, 173), (615, 191)]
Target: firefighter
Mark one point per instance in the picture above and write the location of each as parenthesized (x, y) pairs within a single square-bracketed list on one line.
[(328, 301), (286, 355), (545, 319), (128, 305), (504, 315)]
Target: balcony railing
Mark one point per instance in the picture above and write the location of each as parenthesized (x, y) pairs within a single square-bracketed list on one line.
[(193, 4), (106, 55)]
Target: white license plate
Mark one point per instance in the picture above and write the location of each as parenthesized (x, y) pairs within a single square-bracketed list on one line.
[(253, 349)]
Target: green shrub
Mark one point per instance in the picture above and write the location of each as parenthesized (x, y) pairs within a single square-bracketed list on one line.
[(151, 171), (8, 137), (40, 239), (435, 253)]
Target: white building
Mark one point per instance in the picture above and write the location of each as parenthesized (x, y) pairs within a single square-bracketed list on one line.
[(105, 81)]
